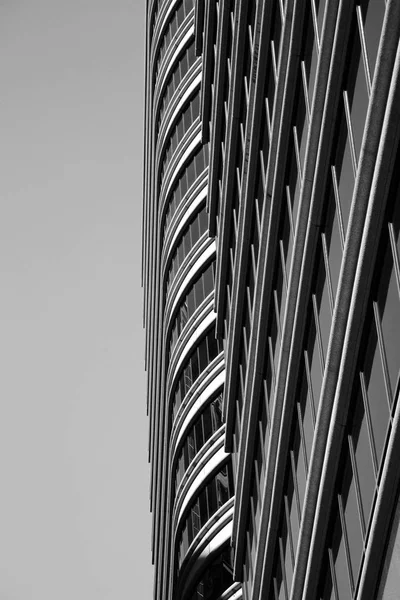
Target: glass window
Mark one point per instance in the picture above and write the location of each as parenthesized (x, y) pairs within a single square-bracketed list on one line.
[(212, 346), (332, 239), (352, 519), (362, 453), (208, 280), (389, 311), (357, 89), (373, 12), (339, 556), (344, 171), (203, 221), (194, 230), (203, 360), (191, 302), (194, 361), (301, 121), (376, 391), (293, 510), (314, 360), (323, 302), (310, 54), (320, 9), (306, 414), (199, 291), (298, 458)]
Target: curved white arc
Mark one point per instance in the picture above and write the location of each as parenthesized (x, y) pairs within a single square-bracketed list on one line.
[(175, 167), (174, 230), (175, 292), (210, 464), (175, 108), (189, 346), (217, 381)]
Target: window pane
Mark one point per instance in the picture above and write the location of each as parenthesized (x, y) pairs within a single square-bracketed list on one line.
[(339, 554), (332, 239), (208, 281), (323, 304), (357, 92), (203, 355), (389, 309), (294, 516), (307, 416), (376, 391), (363, 456), (199, 291), (203, 221), (299, 465), (344, 173), (194, 230), (352, 519), (373, 12), (314, 360)]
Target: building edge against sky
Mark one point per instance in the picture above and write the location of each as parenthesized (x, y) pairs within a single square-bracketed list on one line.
[(271, 272)]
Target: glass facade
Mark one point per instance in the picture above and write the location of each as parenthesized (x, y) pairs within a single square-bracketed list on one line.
[(292, 139)]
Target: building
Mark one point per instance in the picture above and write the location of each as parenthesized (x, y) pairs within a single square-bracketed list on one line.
[(294, 106)]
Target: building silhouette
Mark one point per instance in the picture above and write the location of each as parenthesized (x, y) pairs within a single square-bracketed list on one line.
[(271, 268)]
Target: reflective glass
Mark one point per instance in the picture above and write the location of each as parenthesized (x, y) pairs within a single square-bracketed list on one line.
[(357, 91), (344, 173), (340, 560), (333, 240), (298, 458), (323, 303), (352, 519), (306, 415), (373, 12), (376, 392), (389, 310), (314, 360)]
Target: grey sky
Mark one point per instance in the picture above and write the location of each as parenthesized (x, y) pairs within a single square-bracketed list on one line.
[(74, 513)]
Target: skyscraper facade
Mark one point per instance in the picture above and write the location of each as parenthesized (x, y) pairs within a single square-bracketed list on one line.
[(271, 267)]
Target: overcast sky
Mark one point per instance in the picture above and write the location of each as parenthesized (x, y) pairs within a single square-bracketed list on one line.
[(74, 511)]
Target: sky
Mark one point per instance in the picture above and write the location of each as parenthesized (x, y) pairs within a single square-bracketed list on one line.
[(74, 508)]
